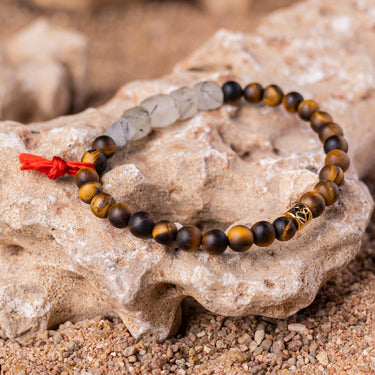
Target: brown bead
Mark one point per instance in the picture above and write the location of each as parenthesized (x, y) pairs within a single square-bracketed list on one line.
[(240, 238), (318, 119), (253, 93), (339, 158), (141, 224), (328, 130), (328, 190), (164, 232), (264, 233), (88, 190), (119, 214), (101, 204), (285, 228), (333, 173), (307, 108), (291, 101), (189, 238), (273, 95), (214, 241), (336, 142), (315, 202), (97, 158), (105, 144), (84, 175)]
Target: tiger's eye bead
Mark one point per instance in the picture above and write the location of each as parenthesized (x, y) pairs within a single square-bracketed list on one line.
[(291, 101), (336, 142), (101, 204), (214, 241), (253, 92), (164, 232), (189, 238), (264, 233), (328, 190), (332, 173), (240, 238), (339, 158), (273, 95), (119, 214), (232, 92), (307, 108), (84, 175), (141, 224), (318, 119), (88, 190), (105, 144), (285, 228), (315, 202), (328, 130), (97, 158)]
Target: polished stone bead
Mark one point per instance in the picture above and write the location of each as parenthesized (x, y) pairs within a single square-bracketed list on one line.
[(307, 108), (88, 190), (214, 241), (333, 173), (336, 142), (315, 202), (339, 158), (285, 228), (300, 214), (291, 101), (264, 233), (162, 109), (328, 190), (97, 158), (232, 92), (84, 175), (141, 224), (101, 204), (105, 144), (318, 119), (253, 92), (273, 95), (186, 101), (189, 238), (209, 95), (328, 130), (164, 232), (240, 238), (119, 214)]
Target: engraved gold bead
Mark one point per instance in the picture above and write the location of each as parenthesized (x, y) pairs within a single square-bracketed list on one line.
[(300, 214)]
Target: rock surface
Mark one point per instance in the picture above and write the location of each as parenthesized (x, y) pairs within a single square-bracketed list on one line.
[(238, 164)]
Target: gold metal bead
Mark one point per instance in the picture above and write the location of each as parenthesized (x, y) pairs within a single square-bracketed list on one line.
[(301, 215)]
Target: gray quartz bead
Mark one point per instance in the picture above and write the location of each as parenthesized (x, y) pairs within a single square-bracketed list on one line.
[(117, 131), (187, 102), (163, 110), (209, 94)]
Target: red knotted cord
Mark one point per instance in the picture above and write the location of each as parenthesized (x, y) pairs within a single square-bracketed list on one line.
[(51, 168)]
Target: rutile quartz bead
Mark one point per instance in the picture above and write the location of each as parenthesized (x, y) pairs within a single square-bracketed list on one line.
[(315, 202), (240, 238), (88, 190), (84, 175), (336, 142), (100, 204), (328, 130), (307, 108), (164, 232), (253, 92), (291, 101), (273, 95), (119, 215), (318, 119), (119, 131), (162, 109), (333, 173), (141, 224), (285, 228), (189, 238), (264, 233), (339, 158), (328, 190), (97, 158), (209, 95), (105, 144), (214, 241), (186, 101), (232, 92)]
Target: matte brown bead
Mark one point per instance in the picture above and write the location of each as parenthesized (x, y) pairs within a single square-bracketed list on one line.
[(101, 204), (164, 232), (97, 158), (333, 173), (214, 241), (273, 95), (253, 93), (285, 228), (232, 92), (141, 224), (328, 190), (336, 142), (105, 144), (88, 190), (119, 214), (189, 238), (291, 101), (318, 119), (264, 233), (328, 130), (307, 108), (339, 158), (315, 202), (240, 238), (84, 175)]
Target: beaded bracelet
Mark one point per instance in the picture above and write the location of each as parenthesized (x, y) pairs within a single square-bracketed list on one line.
[(163, 110)]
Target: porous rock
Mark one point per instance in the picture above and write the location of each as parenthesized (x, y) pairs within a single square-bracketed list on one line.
[(237, 164)]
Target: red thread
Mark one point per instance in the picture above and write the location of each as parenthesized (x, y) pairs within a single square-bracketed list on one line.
[(51, 168)]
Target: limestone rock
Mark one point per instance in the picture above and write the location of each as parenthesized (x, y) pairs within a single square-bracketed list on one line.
[(222, 7), (237, 164)]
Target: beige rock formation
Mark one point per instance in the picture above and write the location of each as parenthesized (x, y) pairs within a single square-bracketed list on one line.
[(238, 164), (222, 7)]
